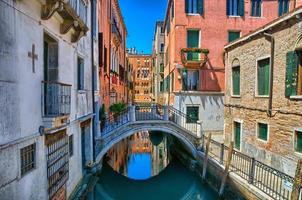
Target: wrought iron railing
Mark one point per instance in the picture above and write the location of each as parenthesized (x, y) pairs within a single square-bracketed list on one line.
[(145, 112), (269, 180), (56, 99), (182, 120), (114, 121)]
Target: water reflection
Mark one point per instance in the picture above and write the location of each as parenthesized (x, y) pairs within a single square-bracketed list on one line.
[(141, 156)]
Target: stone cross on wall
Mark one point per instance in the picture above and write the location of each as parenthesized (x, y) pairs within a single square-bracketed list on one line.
[(33, 56)]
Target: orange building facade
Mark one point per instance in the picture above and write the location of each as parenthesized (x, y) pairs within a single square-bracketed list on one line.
[(112, 54), (141, 65), (195, 34)]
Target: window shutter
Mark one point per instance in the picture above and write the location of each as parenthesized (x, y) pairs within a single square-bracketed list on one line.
[(200, 6), (291, 73), (236, 80), (184, 79), (241, 8), (186, 6), (228, 7), (53, 63), (237, 135)]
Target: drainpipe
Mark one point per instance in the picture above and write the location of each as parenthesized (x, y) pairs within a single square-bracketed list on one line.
[(270, 102), (93, 7)]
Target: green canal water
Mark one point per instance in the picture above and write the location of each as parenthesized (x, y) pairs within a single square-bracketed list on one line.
[(141, 168)]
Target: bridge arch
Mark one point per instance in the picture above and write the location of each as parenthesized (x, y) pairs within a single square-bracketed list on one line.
[(132, 128)]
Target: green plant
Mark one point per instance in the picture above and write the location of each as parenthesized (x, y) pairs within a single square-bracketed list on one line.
[(117, 108)]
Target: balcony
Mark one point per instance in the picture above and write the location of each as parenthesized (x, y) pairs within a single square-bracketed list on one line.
[(56, 99), (73, 13), (194, 58), (117, 36)]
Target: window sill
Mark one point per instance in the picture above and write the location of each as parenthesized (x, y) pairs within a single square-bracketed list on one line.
[(193, 14), (261, 140), (234, 16), (81, 91), (299, 154), (236, 96), (261, 96), (257, 17), (297, 97)]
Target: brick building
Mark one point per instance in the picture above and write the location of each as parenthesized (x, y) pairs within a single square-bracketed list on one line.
[(263, 107), (141, 65), (195, 34), (112, 54)]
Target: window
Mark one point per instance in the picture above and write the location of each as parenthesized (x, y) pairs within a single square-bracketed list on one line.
[(80, 74), (161, 86), (263, 76), (190, 80), (172, 11), (192, 113), (70, 145), (161, 29), (51, 59), (236, 80), (28, 158), (235, 7), (256, 8), (161, 68), (293, 74), (233, 35), (298, 141), (193, 42), (263, 131), (237, 135), (162, 46), (194, 6), (283, 7)]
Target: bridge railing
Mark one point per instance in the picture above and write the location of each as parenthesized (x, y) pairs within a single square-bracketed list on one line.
[(269, 180), (145, 112)]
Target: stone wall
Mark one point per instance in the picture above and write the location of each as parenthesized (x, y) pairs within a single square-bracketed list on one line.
[(249, 108)]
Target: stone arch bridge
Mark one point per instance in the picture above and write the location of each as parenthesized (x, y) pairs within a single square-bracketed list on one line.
[(149, 118)]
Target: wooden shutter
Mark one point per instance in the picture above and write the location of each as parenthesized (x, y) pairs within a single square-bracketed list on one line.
[(228, 7), (193, 42), (233, 35), (241, 7), (262, 131), (291, 73), (184, 79), (80, 74), (237, 135), (53, 62), (236, 80), (263, 76), (299, 141), (187, 6), (200, 6), (101, 49)]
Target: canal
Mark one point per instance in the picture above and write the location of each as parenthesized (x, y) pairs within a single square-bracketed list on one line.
[(143, 167)]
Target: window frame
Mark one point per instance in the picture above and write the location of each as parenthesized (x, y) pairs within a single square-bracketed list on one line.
[(79, 86), (261, 10), (198, 86), (197, 13), (256, 76), (233, 133), (295, 141), (257, 131), (232, 82), (192, 106), (34, 159), (238, 11), (233, 31), (283, 13)]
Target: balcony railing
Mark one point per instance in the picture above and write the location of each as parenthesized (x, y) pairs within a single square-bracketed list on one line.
[(194, 57), (56, 99)]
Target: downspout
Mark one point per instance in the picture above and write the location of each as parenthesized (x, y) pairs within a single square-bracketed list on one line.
[(93, 10), (109, 50), (270, 102)]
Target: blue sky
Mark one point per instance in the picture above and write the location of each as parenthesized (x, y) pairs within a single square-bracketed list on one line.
[(140, 17)]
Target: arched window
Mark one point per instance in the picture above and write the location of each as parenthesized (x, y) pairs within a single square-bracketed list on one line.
[(236, 77)]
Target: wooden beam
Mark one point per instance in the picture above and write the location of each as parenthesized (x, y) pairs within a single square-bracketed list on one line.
[(297, 182), (226, 170), (205, 162)]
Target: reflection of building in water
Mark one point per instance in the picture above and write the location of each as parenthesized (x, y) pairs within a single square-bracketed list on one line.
[(140, 143), (160, 157), (118, 156), (135, 145)]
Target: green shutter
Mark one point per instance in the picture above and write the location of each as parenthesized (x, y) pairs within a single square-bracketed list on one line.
[(263, 76), (192, 113), (200, 7), (299, 141), (236, 80), (262, 131), (193, 42), (187, 6), (241, 8), (233, 35), (291, 73), (237, 135)]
